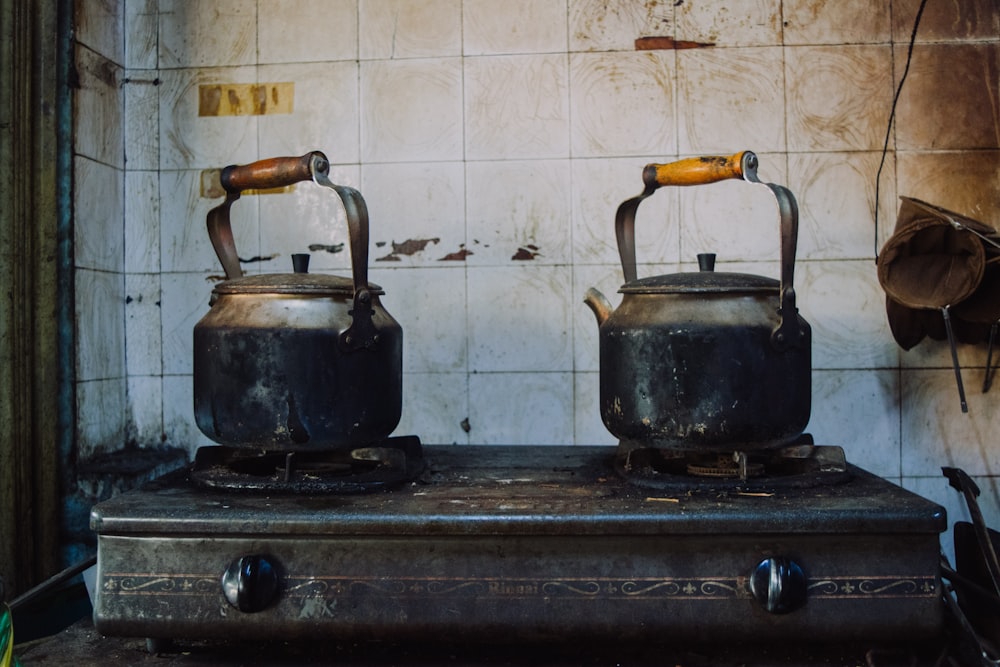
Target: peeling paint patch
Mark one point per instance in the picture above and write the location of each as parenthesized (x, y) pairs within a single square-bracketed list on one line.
[(668, 44), (334, 248), (457, 256), (526, 253), (258, 258), (407, 247)]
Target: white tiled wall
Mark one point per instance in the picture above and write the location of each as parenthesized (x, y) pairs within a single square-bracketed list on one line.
[(487, 128)]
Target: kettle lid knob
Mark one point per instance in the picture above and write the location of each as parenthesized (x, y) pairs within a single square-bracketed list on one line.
[(300, 262), (706, 261)]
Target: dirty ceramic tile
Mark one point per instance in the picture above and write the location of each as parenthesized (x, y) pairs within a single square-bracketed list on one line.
[(183, 301), (142, 101), (599, 25), (519, 319), (429, 304), (303, 31), (406, 29), (141, 27), (727, 95), (521, 408), (844, 22), (838, 97), (142, 222), (845, 306), (599, 188), (207, 34), (518, 211), (961, 20), (707, 214), (721, 23), (936, 433), (623, 104), (411, 110), (178, 415), (588, 429), (324, 116), (961, 181), (98, 25), (516, 107), (191, 141), (97, 109), (417, 213), (184, 240), (143, 328), (951, 97), (145, 411), (435, 406), (100, 325), (835, 194), (98, 210), (514, 26), (859, 411), (306, 219), (100, 419)]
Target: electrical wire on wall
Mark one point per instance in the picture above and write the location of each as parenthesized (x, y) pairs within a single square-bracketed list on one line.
[(892, 115)]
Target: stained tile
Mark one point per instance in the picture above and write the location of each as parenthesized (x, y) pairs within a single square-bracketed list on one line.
[(435, 405), (145, 410), (516, 107), (411, 110), (184, 240), (951, 97), (599, 25), (756, 23), (845, 306), (141, 27), (936, 433), (143, 328), (325, 115), (184, 301), (518, 211), (845, 22), (726, 96), (859, 411), (207, 34), (514, 26), (835, 194), (960, 20), (98, 25), (542, 402), (429, 304), (100, 417), (142, 222), (967, 182), (417, 212), (99, 213), (100, 325), (97, 109), (623, 104), (588, 429), (304, 31), (190, 141), (519, 319), (598, 189), (142, 100), (839, 97), (406, 29)]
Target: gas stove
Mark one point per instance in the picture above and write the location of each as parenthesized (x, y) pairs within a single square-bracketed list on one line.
[(545, 543)]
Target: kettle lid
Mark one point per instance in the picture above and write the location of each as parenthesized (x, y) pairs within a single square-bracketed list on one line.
[(702, 282), (311, 284)]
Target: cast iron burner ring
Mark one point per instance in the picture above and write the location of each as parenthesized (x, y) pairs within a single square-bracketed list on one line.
[(378, 466)]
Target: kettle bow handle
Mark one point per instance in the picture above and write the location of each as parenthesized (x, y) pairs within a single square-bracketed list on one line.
[(712, 169)]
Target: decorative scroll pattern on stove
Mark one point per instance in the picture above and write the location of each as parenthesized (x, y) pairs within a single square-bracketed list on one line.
[(693, 588)]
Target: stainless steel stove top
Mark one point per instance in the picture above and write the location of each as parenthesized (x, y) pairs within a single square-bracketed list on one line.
[(532, 542)]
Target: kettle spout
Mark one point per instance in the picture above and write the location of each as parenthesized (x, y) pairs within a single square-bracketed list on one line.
[(599, 304)]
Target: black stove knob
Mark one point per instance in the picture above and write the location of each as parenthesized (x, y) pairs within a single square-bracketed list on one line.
[(250, 583), (778, 584)]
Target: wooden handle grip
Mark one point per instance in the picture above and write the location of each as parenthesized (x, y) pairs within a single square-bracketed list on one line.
[(271, 173), (697, 170)]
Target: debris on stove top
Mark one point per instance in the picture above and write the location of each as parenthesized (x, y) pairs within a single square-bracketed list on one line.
[(379, 466)]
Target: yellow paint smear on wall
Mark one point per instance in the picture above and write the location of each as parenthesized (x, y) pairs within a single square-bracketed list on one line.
[(245, 99)]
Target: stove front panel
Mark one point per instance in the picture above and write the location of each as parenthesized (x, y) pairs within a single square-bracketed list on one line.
[(536, 587)]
